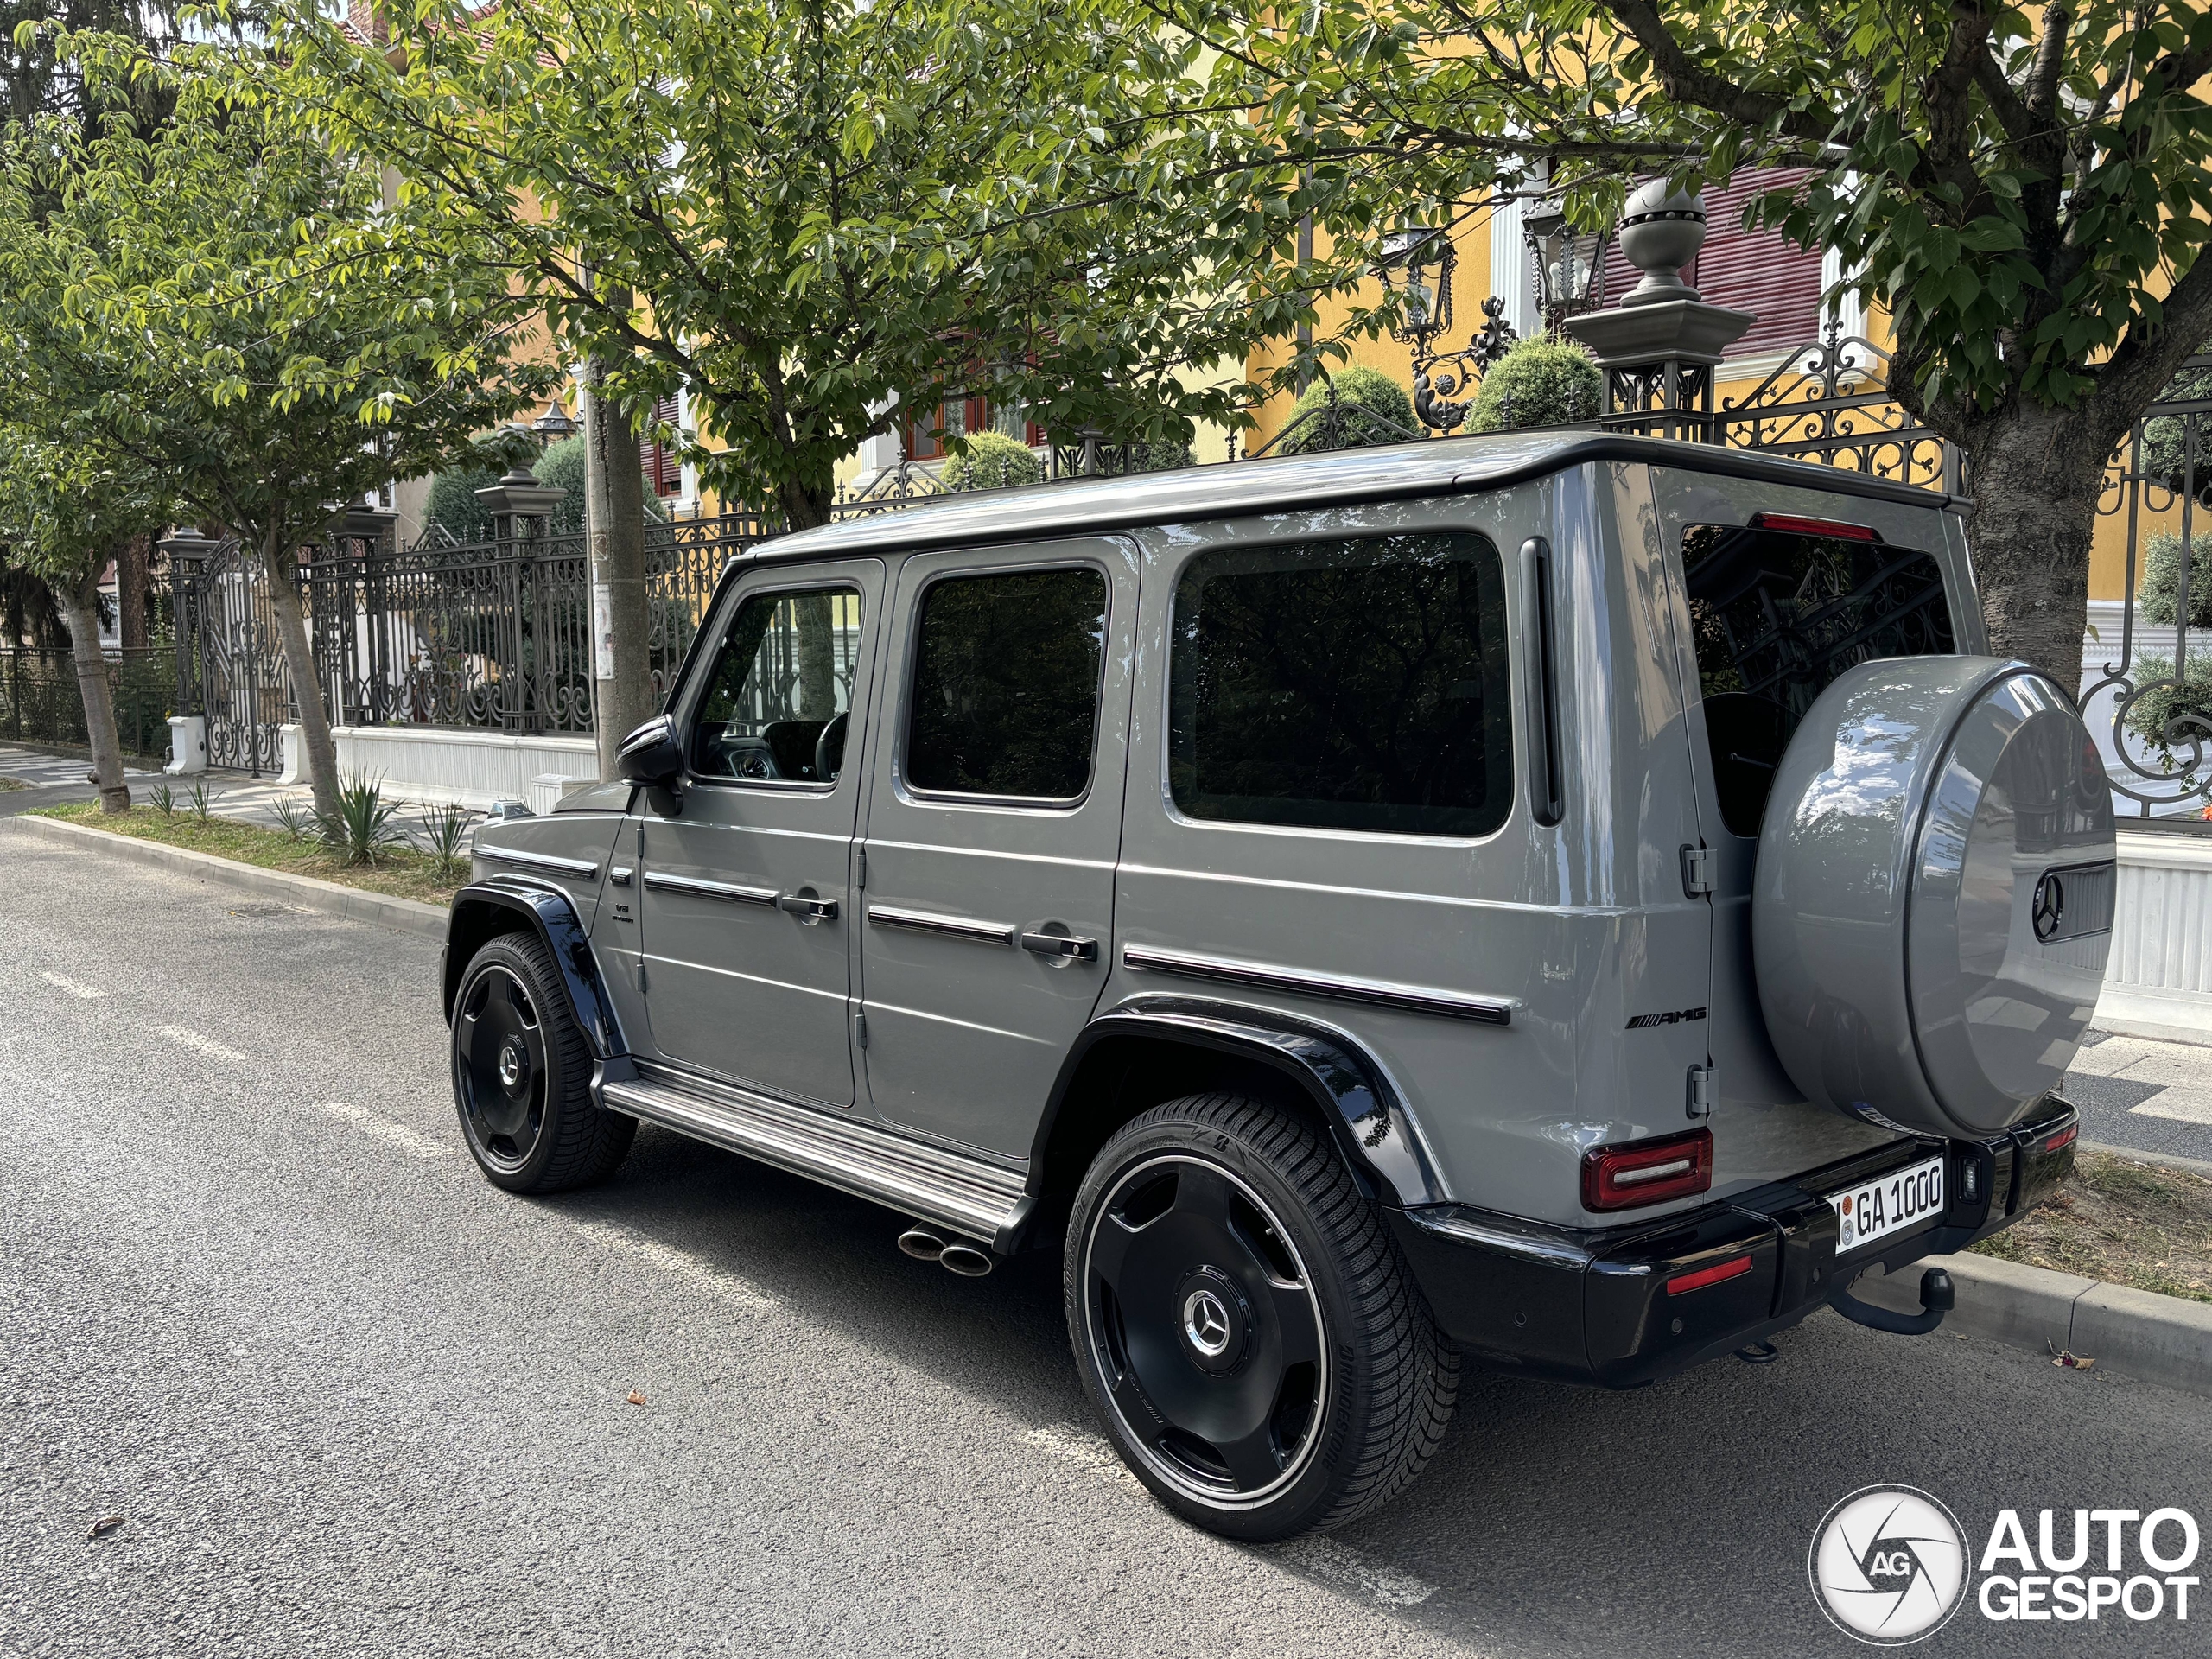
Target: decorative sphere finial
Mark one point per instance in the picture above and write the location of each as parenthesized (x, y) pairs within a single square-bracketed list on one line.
[(1662, 230)]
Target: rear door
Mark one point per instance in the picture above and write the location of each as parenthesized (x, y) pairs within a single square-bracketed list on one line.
[(744, 884), (994, 820), (1782, 590)]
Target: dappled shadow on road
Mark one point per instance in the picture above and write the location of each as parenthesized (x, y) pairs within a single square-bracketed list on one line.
[(1674, 1520)]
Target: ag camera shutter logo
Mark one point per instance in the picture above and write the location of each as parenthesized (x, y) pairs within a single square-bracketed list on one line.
[(1889, 1565)]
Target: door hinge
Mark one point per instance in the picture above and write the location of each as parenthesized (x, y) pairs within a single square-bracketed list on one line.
[(860, 868), (1697, 872), (1704, 1089), (859, 1027)]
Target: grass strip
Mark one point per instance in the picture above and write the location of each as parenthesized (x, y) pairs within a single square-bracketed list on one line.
[(2139, 1224), (399, 872)]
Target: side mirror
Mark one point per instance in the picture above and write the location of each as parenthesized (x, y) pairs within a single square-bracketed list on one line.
[(652, 755)]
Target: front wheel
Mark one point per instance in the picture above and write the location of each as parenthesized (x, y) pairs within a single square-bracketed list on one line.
[(1244, 1325), (522, 1075)]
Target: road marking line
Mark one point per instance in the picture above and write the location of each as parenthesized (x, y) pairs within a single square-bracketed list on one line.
[(409, 1140), (2178, 1111), (76, 988), (185, 1037), (723, 1286), (1353, 1569), (1085, 1450)]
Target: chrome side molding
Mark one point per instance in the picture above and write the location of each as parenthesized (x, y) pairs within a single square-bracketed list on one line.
[(576, 867), (977, 1200), (1374, 993), (728, 893), (952, 927)]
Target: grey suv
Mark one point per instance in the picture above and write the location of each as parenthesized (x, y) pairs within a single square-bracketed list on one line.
[(1569, 902)]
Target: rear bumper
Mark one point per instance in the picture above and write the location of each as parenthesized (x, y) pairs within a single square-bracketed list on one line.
[(1595, 1306)]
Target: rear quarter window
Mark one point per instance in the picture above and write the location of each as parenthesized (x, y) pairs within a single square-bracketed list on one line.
[(1356, 684), (1776, 616)]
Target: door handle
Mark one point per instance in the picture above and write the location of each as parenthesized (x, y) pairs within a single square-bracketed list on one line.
[(1060, 947), (807, 910)]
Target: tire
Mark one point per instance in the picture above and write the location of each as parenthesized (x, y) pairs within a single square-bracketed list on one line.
[(522, 1075), (1245, 1327)]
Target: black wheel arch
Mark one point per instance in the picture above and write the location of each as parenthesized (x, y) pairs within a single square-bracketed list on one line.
[(1153, 1048), (510, 903)]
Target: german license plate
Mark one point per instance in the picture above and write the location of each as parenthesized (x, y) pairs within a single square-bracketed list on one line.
[(1888, 1204)]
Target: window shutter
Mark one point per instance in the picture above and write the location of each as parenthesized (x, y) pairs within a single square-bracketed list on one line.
[(1759, 272), (664, 471)]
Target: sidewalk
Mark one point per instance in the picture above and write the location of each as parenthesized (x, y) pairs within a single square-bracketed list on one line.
[(53, 779), (2150, 1097)]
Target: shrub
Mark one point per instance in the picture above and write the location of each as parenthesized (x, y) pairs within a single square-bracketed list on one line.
[(2159, 588), (446, 829), (297, 821), (2187, 706), (452, 500), (162, 798), (1371, 409), (361, 829), (1543, 381), (992, 461), (200, 804)]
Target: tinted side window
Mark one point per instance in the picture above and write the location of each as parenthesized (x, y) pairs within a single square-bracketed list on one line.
[(1357, 684), (1778, 615), (776, 702), (1006, 683)]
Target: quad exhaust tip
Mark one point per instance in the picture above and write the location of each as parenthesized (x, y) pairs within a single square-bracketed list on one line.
[(954, 1255)]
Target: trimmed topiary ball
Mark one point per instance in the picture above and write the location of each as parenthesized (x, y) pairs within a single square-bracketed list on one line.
[(1544, 381), (992, 461), (1371, 408)]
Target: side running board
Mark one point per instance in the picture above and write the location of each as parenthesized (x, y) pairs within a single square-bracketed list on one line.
[(931, 1183)]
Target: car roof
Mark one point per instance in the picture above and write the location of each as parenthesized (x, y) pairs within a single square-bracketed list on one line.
[(1438, 466)]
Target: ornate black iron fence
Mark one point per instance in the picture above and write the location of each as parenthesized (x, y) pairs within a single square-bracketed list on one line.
[(490, 635), (41, 703)]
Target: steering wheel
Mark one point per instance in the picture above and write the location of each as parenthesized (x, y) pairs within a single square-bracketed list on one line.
[(750, 757), (830, 746)]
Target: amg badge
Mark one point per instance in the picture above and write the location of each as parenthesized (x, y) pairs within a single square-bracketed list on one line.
[(1677, 1017)]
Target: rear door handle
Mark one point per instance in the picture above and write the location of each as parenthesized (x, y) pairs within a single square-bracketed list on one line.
[(808, 909), (1061, 947)]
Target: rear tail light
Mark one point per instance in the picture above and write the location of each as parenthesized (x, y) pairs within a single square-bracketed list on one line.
[(1789, 523), (2059, 1139), (1735, 1268), (1639, 1173)]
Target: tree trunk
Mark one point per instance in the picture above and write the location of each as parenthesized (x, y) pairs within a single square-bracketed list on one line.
[(81, 601), (2035, 482), (283, 572), (131, 560), (614, 532), (805, 507)]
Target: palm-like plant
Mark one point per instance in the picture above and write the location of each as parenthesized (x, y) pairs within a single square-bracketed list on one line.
[(361, 830)]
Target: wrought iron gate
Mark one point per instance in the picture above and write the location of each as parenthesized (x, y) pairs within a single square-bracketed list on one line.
[(230, 666)]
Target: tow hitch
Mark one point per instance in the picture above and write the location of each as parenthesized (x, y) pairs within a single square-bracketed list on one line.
[(1937, 1299)]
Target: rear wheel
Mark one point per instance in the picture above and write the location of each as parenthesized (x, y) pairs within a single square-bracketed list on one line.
[(522, 1075), (1244, 1325)]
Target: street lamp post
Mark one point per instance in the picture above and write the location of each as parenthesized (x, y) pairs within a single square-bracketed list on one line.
[(1408, 256)]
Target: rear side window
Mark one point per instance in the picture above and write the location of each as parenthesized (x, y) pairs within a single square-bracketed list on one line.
[(1006, 683), (1778, 615), (1359, 684)]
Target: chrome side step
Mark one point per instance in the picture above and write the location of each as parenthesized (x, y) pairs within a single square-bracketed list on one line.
[(979, 1199)]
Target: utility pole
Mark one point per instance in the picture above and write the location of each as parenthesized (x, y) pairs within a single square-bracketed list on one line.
[(615, 533)]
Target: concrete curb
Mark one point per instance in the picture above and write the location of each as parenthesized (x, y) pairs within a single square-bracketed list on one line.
[(328, 898), (2153, 1338)]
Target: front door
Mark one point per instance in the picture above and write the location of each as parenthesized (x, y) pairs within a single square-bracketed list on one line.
[(993, 821), (743, 886)]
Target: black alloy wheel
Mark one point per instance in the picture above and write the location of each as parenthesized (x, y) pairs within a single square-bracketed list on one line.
[(499, 1048), (522, 1075), (1206, 1324), (1244, 1324)]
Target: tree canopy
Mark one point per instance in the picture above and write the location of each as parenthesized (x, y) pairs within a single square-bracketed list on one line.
[(821, 220)]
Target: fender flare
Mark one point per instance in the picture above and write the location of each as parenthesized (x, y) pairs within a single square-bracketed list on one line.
[(548, 912), (1367, 1116)]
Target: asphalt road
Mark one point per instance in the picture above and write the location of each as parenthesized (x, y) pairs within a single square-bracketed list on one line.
[(350, 1399)]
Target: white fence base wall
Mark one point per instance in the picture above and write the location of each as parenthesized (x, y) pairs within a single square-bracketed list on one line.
[(471, 769), (2158, 978)]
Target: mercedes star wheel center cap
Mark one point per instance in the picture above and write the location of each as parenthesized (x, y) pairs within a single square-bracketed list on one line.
[(509, 1065), (1205, 1323)]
